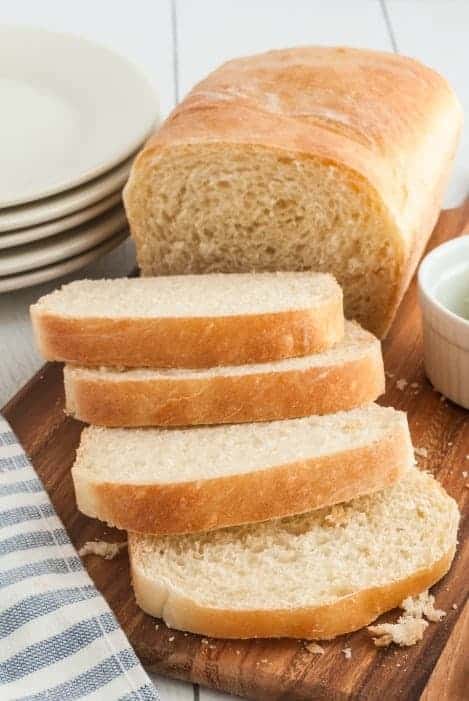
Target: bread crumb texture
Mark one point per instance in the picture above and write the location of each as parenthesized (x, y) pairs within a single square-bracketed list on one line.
[(101, 548), (411, 626), (406, 632), (190, 296), (414, 522), (423, 605), (421, 452)]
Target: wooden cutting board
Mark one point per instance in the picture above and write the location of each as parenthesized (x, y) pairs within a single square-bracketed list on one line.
[(284, 669)]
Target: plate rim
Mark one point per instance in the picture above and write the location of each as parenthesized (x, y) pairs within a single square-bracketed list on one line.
[(132, 144), (105, 226), (108, 183), (55, 227), (56, 270)]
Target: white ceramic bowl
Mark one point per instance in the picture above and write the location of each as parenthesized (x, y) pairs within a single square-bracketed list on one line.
[(443, 281)]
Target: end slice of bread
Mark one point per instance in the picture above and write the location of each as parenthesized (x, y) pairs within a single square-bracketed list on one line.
[(181, 481), (190, 321), (348, 375), (314, 576)]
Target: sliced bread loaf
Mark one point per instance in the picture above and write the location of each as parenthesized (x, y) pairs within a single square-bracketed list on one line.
[(309, 158), (348, 375), (190, 321), (181, 481), (314, 576)]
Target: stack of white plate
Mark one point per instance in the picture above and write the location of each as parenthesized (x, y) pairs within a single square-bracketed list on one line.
[(73, 115)]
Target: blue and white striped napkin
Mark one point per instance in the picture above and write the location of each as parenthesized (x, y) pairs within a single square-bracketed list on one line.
[(58, 638)]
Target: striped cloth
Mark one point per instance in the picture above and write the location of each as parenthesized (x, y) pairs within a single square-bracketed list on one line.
[(58, 638)]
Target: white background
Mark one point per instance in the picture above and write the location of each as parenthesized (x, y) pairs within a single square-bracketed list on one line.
[(177, 43)]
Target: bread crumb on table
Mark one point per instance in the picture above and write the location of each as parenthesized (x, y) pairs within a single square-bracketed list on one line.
[(415, 385), (465, 473), (157, 625), (421, 452), (314, 648), (410, 627), (171, 638), (454, 606), (100, 547), (347, 653), (401, 384), (407, 631), (423, 605)]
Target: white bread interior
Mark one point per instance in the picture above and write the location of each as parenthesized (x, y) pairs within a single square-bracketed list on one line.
[(312, 576)]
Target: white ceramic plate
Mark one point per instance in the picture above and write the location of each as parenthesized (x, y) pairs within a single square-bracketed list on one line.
[(61, 205), (71, 243), (71, 110), (37, 277), (58, 226)]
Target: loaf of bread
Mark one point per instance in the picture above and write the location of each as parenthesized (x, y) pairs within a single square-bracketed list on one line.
[(348, 375), (189, 321), (315, 576), (180, 481), (328, 159)]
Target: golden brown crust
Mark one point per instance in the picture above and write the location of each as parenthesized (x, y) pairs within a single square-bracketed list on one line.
[(203, 505), (316, 623), (189, 342), (383, 119), (221, 399)]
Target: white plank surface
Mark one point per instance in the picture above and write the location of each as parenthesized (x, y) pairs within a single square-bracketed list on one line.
[(209, 32), (437, 33), (212, 31)]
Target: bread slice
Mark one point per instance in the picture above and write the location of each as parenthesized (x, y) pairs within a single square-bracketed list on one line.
[(311, 158), (190, 321), (314, 576), (348, 375), (180, 481)]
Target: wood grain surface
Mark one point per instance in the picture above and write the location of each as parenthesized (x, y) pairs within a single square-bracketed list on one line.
[(274, 670)]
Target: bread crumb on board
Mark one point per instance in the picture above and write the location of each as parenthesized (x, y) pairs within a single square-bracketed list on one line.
[(421, 452), (314, 648), (423, 605), (171, 638), (410, 627), (401, 384), (465, 473), (455, 607), (100, 547), (407, 631), (347, 653)]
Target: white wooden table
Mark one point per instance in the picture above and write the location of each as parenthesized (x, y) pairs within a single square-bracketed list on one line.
[(177, 42)]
